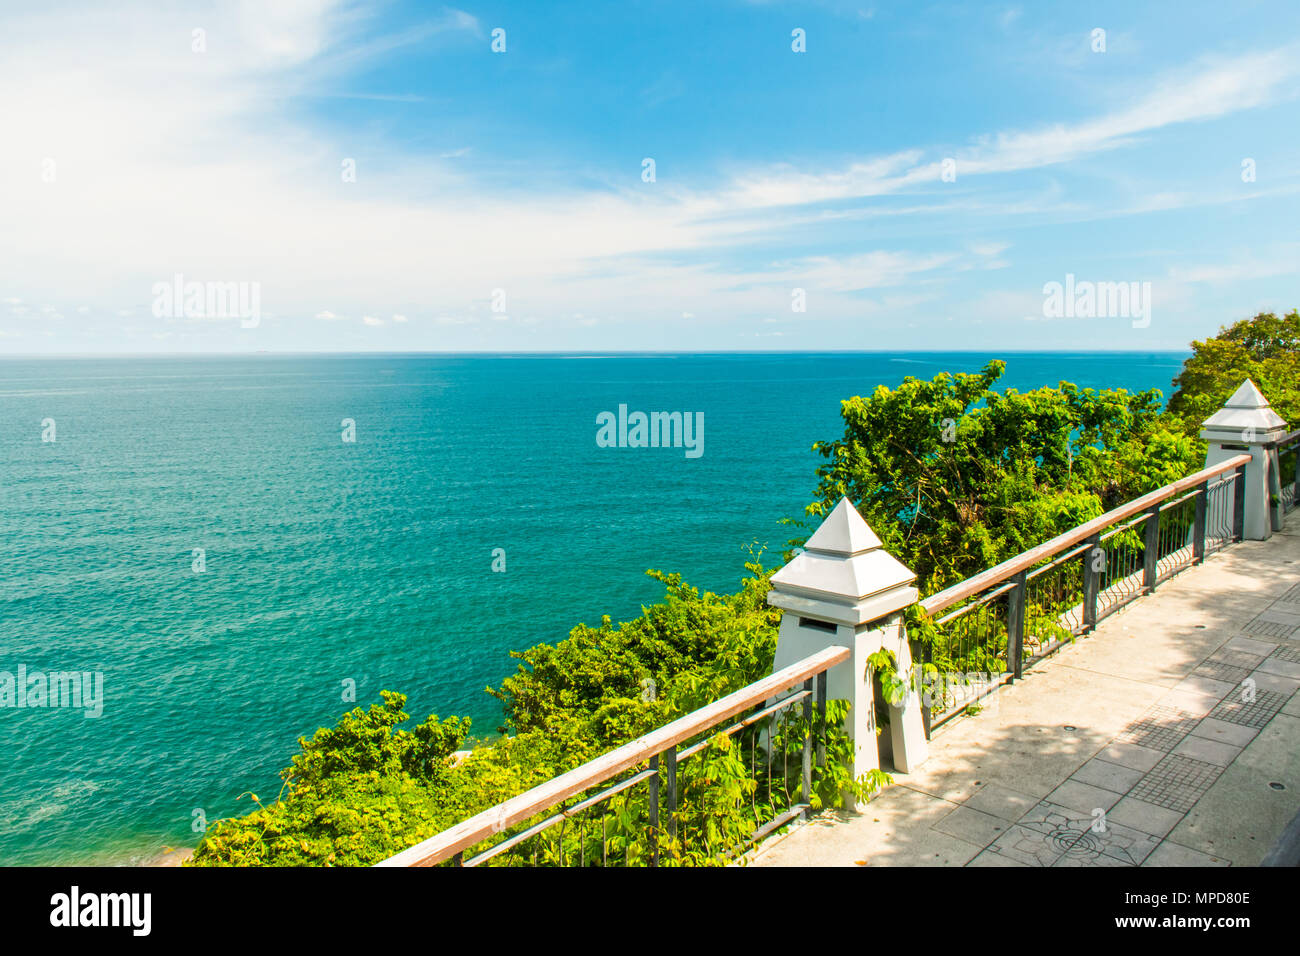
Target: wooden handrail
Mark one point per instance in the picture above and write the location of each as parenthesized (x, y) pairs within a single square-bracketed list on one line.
[(1027, 559), (479, 827)]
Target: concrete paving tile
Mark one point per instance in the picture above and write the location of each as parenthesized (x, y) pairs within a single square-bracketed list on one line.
[(1282, 668), (1092, 859), (1170, 853), (1211, 728), (1277, 683), (1195, 684), (1292, 706), (1211, 751), (1133, 756), (1192, 702), (1082, 797), (1002, 802), (1250, 646), (973, 826), (1140, 815), (1280, 615), (1108, 776), (1233, 658), (989, 858)]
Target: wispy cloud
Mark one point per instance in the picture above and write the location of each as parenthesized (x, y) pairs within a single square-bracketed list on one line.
[(235, 184)]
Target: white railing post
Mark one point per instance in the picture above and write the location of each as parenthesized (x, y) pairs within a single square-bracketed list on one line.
[(845, 590), (1247, 424)]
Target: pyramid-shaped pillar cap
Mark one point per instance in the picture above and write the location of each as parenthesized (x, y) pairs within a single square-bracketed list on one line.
[(844, 533), (1244, 419), (843, 575)]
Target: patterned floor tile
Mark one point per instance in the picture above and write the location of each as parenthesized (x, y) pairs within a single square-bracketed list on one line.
[(1260, 628), (1255, 713), (1176, 782), (1220, 670), (1286, 652), (1032, 847), (1234, 658), (1053, 835), (1160, 728)]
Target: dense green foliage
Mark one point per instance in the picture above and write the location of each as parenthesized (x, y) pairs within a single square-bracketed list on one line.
[(952, 475), (364, 789), (955, 477), (1265, 349)]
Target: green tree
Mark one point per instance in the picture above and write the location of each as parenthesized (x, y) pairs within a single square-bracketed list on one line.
[(1265, 349), (365, 788), (955, 477)]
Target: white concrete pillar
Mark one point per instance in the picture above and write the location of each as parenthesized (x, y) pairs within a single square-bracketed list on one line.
[(1246, 425), (845, 590)]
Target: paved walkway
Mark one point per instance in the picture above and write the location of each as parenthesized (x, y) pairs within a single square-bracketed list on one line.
[(1145, 725)]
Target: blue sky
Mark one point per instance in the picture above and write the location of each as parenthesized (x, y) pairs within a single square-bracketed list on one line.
[(499, 201)]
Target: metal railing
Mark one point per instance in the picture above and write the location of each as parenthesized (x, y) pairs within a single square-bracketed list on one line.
[(992, 626), (1286, 461), (593, 815)]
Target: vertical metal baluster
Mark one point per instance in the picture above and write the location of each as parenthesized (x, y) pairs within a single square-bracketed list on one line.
[(927, 655), (1016, 625), (1151, 553), (1239, 502), (604, 843), (825, 725), (807, 742), (654, 811), (785, 757), (771, 756), (670, 770), (1090, 582)]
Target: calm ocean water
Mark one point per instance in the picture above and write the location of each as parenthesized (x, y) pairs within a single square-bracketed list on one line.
[(370, 561)]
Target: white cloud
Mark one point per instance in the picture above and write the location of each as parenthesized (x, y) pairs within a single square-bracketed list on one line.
[(235, 186), (1259, 267)]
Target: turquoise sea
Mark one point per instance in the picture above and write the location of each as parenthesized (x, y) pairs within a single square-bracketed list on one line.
[(371, 561)]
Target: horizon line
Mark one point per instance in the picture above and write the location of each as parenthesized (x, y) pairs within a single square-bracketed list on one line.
[(272, 353)]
